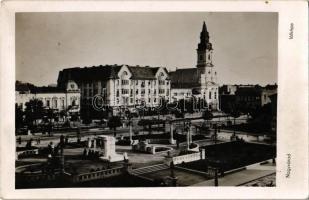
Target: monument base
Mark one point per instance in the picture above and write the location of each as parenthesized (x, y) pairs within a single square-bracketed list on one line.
[(172, 141), (113, 158)]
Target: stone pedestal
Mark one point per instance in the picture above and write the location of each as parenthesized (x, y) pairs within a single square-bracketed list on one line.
[(110, 150), (172, 141), (188, 139), (203, 155), (131, 133)]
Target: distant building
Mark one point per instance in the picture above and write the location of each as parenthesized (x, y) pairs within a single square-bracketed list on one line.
[(246, 97), (201, 81), (268, 91), (58, 99), (118, 86), (228, 89), (273, 101)]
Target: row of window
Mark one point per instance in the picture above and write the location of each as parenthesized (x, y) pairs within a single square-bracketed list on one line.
[(94, 84), (248, 98), (125, 100), (182, 94), (143, 83), (189, 94), (93, 92), (127, 91), (62, 103)]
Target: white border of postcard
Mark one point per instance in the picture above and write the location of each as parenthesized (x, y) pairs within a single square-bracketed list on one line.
[(292, 100)]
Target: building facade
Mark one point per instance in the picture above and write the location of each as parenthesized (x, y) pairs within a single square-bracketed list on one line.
[(119, 86), (246, 97), (201, 81), (58, 99)]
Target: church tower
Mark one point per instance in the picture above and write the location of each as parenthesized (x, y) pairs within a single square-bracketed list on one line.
[(204, 57), (206, 71), (204, 50)]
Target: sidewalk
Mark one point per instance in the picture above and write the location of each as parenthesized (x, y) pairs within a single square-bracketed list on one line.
[(252, 172), (237, 178)]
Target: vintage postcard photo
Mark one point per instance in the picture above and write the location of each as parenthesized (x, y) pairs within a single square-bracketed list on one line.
[(149, 100)]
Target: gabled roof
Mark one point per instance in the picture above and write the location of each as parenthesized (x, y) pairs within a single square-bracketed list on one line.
[(90, 73), (143, 72), (40, 90), (103, 73), (185, 78)]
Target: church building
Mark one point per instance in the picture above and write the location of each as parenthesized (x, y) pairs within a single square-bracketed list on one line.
[(201, 81)]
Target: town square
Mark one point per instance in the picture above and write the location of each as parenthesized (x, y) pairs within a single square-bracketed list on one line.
[(139, 125)]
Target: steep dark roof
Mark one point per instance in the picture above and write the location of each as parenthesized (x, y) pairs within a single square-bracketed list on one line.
[(40, 90), (23, 87), (28, 87), (185, 78), (143, 72), (106, 72), (78, 74), (91, 73)]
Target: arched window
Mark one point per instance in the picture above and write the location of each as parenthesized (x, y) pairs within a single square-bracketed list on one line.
[(125, 73)]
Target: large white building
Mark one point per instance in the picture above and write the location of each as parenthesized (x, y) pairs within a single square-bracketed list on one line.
[(58, 99), (200, 81), (119, 86)]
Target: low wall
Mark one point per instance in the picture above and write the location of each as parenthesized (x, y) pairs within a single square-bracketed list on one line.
[(26, 153), (158, 141), (97, 175), (186, 158)]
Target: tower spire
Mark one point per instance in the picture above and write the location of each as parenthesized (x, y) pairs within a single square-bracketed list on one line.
[(204, 49), (204, 27), (204, 38)]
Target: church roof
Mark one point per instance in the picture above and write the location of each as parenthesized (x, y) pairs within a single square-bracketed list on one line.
[(204, 39), (185, 78)]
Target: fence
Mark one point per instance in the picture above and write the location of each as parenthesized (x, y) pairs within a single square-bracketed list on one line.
[(98, 174), (21, 154), (186, 158)]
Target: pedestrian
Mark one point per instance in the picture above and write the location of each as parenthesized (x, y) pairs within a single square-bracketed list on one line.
[(39, 140), (66, 140)]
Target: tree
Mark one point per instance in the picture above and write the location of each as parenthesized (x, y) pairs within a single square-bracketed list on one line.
[(235, 113), (144, 123), (113, 123), (207, 115), (19, 120), (34, 111), (150, 122), (179, 114)]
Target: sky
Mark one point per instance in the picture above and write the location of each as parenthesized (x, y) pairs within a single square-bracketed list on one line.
[(245, 44)]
